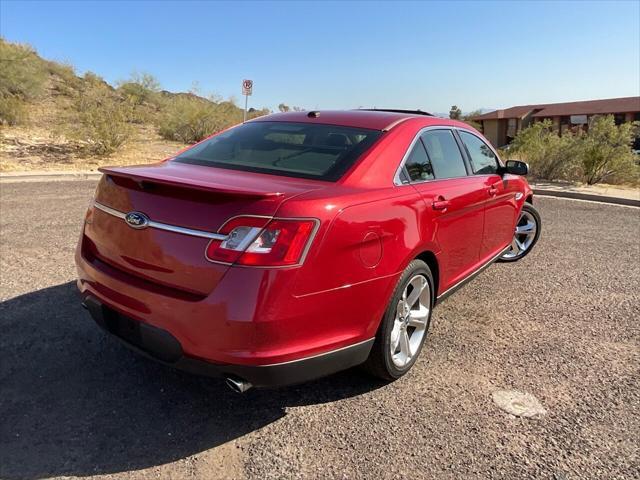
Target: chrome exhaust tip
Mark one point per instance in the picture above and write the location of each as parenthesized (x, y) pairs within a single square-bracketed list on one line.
[(237, 385)]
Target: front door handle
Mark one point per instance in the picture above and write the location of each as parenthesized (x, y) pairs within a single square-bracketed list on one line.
[(440, 203), (493, 191)]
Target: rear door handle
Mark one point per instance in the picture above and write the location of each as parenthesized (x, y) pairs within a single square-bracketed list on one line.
[(440, 203)]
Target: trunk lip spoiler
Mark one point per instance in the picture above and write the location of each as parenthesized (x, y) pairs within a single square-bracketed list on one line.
[(174, 181)]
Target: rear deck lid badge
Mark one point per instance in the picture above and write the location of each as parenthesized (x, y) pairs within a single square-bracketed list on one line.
[(137, 220)]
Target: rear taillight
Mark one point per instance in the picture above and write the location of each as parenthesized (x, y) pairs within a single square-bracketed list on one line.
[(262, 242)]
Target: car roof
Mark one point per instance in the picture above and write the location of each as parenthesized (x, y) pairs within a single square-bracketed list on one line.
[(371, 119)]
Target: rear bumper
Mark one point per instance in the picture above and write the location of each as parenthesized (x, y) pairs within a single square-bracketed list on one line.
[(162, 346), (250, 318)]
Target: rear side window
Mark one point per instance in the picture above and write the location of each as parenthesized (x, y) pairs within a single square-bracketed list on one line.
[(322, 152), (418, 165), (444, 154), (483, 160)]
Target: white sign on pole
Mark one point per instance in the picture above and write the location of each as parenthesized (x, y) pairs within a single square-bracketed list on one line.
[(247, 87)]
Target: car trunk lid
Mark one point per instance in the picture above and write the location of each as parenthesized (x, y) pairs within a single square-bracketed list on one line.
[(195, 200)]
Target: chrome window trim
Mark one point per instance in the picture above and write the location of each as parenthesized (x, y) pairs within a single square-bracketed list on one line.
[(162, 226), (396, 179), (488, 144)]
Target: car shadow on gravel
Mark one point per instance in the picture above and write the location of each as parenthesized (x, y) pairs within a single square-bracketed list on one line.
[(75, 402)]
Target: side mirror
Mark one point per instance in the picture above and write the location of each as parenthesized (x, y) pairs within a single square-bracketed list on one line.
[(516, 167)]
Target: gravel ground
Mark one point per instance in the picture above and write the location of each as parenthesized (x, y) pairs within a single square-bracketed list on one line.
[(562, 325)]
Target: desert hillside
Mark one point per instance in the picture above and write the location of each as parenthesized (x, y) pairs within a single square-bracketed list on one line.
[(53, 119)]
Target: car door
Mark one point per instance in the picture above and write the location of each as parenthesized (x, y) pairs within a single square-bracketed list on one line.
[(500, 208), (454, 202)]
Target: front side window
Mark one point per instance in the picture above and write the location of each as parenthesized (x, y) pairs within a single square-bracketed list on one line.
[(444, 154), (317, 151), (418, 165), (483, 160)]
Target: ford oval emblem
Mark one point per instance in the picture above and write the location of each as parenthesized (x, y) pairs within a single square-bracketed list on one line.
[(136, 220)]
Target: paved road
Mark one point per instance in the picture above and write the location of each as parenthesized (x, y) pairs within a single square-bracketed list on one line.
[(562, 325)]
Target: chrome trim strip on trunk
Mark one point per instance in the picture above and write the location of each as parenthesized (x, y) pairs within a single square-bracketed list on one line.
[(109, 210), (163, 226)]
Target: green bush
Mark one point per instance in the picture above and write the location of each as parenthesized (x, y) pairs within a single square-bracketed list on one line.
[(64, 78), (189, 119), (22, 79), (140, 88), (254, 113), (22, 72), (102, 120), (605, 151), (550, 156), (142, 91), (12, 110), (93, 78)]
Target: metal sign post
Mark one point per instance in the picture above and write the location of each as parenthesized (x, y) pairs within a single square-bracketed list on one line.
[(247, 89)]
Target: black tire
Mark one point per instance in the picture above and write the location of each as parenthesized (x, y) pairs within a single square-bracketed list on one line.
[(534, 213), (380, 362)]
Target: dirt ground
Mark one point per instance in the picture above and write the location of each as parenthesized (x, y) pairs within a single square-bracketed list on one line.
[(562, 325)]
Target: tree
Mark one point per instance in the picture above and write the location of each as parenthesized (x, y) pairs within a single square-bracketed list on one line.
[(455, 113), (605, 151)]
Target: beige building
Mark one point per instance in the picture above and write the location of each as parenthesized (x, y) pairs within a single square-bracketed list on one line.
[(500, 126)]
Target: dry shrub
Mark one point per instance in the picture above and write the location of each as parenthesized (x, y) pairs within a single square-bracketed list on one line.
[(102, 120), (189, 119), (22, 78), (12, 110), (601, 154)]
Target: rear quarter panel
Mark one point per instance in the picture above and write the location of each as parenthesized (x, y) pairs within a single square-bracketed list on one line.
[(371, 237)]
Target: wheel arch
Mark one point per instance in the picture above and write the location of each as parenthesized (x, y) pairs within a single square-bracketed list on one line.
[(430, 259)]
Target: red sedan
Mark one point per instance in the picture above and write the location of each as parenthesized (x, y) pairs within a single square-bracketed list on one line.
[(299, 244)]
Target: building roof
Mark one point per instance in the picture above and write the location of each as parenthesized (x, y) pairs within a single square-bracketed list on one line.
[(591, 107), (512, 112), (588, 107)]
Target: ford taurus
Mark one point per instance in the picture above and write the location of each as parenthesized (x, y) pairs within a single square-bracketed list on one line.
[(299, 244)]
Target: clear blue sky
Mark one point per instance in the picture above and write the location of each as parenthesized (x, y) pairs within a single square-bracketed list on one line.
[(345, 55)]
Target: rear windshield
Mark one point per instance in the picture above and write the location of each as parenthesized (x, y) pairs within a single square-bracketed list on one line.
[(322, 152)]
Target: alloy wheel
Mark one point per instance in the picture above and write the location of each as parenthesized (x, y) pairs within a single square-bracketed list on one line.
[(411, 320), (523, 237)]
